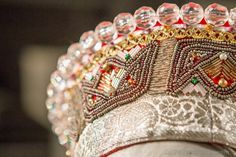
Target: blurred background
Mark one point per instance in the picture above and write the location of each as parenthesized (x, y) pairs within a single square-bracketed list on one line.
[(33, 34)]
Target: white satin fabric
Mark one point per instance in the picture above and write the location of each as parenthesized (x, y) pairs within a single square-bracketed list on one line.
[(170, 149)]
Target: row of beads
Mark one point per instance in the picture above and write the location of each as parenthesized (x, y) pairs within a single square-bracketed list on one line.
[(69, 64), (144, 18)]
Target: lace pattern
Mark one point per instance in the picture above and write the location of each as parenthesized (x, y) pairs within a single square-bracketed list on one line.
[(161, 117)]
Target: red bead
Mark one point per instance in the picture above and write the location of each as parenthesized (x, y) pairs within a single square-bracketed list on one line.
[(94, 97), (128, 77), (216, 80), (230, 82), (180, 21), (112, 67), (158, 24), (227, 24), (203, 22), (102, 71)]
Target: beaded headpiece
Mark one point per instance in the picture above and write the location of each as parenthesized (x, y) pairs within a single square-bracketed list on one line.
[(164, 75)]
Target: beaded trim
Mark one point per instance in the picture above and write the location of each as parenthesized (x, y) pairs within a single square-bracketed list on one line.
[(133, 40), (210, 63), (194, 65), (135, 77)]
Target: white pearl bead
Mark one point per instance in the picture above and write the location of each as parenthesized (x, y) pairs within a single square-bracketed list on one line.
[(124, 23), (145, 17), (223, 56), (192, 13), (106, 31), (216, 14), (168, 13)]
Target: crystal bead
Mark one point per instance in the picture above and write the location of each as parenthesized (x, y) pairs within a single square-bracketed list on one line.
[(97, 46), (66, 132), (65, 107), (192, 13), (52, 117), (65, 65), (168, 13), (85, 59), (50, 103), (124, 23), (51, 91), (74, 51), (58, 130), (88, 40), (232, 19), (106, 31), (58, 81), (145, 17), (216, 14), (63, 139)]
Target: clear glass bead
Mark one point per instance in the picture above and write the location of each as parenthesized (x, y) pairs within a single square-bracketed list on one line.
[(51, 91), (106, 31), (57, 130), (52, 117), (74, 51), (65, 107), (85, 59), (88, 40), (168, 13), (124, 23), (232, 19), (73, 122), (58, 81), (145, 17), (192, 13), (63, 139), (216, 14), (65, 65), (50, 103)]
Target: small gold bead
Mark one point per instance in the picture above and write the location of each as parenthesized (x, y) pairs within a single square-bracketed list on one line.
[(209, 27), (223, 83), (68, 153)]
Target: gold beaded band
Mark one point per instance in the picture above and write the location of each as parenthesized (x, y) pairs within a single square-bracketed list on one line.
[(133, 40)]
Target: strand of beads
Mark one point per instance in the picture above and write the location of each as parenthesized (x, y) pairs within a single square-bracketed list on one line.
[(145, 18)]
